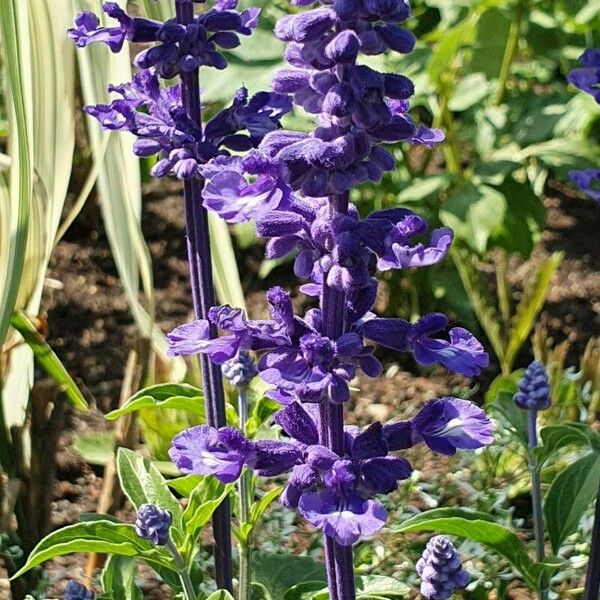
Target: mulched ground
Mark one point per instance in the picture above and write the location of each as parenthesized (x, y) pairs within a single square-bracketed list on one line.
[(92, 331)]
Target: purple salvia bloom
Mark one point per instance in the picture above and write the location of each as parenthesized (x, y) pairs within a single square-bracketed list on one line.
[(204, 450), (587, 77), (588, 181), (462, 353), (153, 524), (534, 388), (76, 591), (440, 570), (344, 517), (448, 424)]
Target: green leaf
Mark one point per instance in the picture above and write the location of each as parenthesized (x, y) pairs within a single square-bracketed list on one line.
[(180, 396), (474, 211), (305, 590), (104, 537), (185, 485), (142, 483), (380, 586), (523, 221), (470, 90), (14, 34), (422, 189), (490, 41), (47, 360), (557, 437), (262, 410), (500, 397), (569, 496), (480, 297), (480, 527), (203, 502), (220, 595), (446, 51), (118, 578), (280, 572), (530, 306), (256, 512), (562, 155)]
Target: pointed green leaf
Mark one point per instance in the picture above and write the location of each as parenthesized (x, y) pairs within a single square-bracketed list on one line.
[(181, 396), (118, 578), (47, 359), (479, 527), (104, 537), (569, 496), (530, 306)]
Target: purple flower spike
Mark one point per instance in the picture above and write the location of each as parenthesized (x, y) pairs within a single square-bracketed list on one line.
[(440, 570), (204, 450), (534, 388), (588, 181), (448, 424), (346, 518)]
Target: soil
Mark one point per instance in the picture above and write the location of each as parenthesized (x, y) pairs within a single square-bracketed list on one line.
[(92, 331)]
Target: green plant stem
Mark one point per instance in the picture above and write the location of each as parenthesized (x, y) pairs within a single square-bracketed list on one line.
[(244, 548), (592, 576), (510, 51), (184, 576), (451, 146), (536, 494)]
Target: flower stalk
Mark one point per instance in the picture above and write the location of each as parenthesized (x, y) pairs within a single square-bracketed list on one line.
[(244, 545), (184, 576), (203, 297)]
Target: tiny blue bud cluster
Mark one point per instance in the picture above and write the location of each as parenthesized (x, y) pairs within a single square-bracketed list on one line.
[(76, 591), (240, 370), (153, 524), (440, 570), (587, 79), (534, 388)]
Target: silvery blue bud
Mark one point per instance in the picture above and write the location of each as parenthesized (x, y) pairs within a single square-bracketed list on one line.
[(534, 388), (240, 370), (440, 569), (153, 524)]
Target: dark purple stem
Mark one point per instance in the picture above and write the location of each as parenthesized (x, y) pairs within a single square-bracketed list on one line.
[(203, 296), (340, 568)]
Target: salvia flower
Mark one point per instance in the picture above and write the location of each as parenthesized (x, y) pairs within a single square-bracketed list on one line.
[(153, 524), (588, 181), (204, 450), (440, 569), (176, 47), (76, 591), (240, 370), (534, 388), (587, 77)]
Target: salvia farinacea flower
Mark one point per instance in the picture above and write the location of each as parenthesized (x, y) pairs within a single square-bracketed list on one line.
[(588, 181), (76, 591), (534, 388), (587, 77), (153, 523), (155, 116), (440, 569), (335, 492), (177, 47)]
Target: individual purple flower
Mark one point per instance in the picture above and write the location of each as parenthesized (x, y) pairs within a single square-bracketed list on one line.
[(440, 569), (88, 30), (587, 77), (461, 353), (402, 254), (344, 517), (236, 199), (204, 450), (240, 370), (76, 591), (534, 388), (448, 424), (153, 523), (588, 181)]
